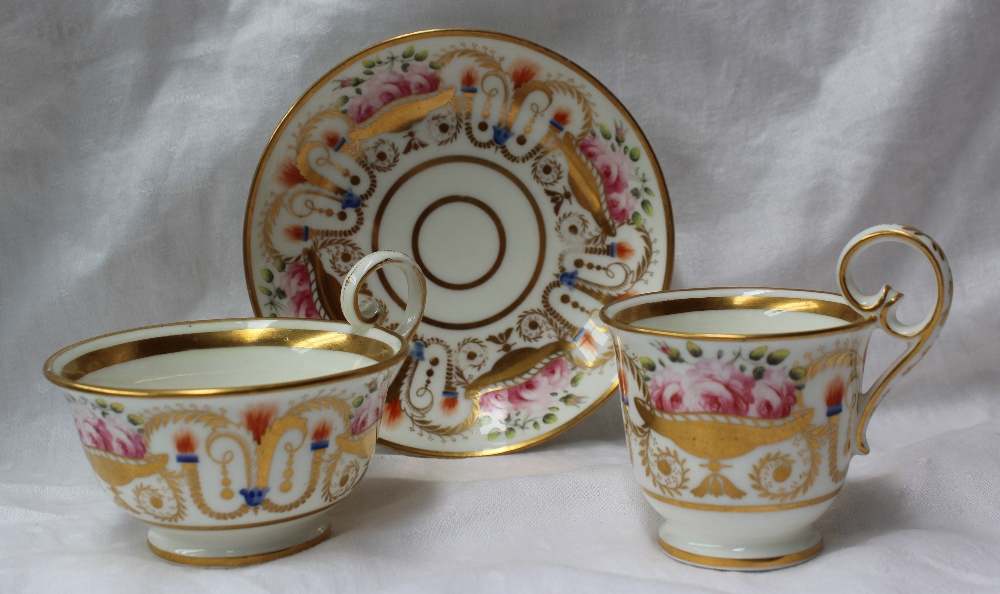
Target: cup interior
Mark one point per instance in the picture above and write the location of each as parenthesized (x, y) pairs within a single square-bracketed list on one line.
[(734, 312), (222, 357)]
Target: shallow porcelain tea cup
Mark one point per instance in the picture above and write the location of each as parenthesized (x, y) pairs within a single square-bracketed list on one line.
[(233, 439), (743, 406)]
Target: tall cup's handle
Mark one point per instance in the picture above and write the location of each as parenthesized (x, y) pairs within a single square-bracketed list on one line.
[(918, 337), (362, 318)]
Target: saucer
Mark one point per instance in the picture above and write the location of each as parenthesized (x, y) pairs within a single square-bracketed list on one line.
[(522, 187)]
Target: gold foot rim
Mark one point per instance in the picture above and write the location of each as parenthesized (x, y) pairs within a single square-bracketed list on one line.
[(742, 564), (238, 561)]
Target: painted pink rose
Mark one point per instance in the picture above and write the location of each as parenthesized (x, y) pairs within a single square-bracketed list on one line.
[(108, 434), (387, 86), (774, 395), (533, 396), (666, 388), (370, 410), (720, 387), (295, 283), (614, 170)]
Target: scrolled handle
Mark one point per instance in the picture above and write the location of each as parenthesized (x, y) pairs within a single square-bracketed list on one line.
[(416, 292), (918, 337)]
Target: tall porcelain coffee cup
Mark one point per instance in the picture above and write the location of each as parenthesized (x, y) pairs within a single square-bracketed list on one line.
[(743, 406)]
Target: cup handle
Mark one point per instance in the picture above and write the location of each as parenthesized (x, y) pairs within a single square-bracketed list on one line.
[(918, 337), (416, 292)]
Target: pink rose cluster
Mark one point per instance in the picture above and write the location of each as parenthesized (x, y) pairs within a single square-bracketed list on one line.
[(533, 396), (370, 410), (295, 283), (614, 170), (108, 434), (720, 387), (387, 86)]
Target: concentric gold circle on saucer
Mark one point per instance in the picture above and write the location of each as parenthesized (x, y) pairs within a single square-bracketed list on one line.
[(522, 187)]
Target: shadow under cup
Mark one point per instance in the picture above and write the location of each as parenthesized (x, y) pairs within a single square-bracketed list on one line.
[(232, 439), (741, 410)]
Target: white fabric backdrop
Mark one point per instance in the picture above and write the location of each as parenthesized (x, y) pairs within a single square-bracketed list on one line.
[(128, 138)]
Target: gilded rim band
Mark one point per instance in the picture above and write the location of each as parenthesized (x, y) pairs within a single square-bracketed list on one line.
[(238, 561), (68, 375), (728, 563), (625, 318)]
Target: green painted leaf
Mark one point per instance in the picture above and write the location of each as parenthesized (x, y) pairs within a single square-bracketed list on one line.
[(647, 207), (272, 315), (758, 373), (342, 101), (635, 192), (357, 91), (279, 264), (368, 63), (648, 192), (484, 420), (509, 432), (267, 275), (435, 65), (117, 407), (648, 363), (358, 401), (408, 52), (777, 356), (493, 434), (797, 373), (536, 425), (135, 419), (549, 418), (719, 354), (576, 379), (758, 352), (554, 408), (604, 131), (634, 154), (404, 66), (280, 293), (420, 56), (800, 387), (265, 290), (636, 219), (674, 355), (369, 72), (694, 349)]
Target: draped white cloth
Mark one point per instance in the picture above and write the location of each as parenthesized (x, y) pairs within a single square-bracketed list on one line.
[(130, 133)]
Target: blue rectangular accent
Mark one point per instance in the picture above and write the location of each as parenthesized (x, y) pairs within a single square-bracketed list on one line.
[(319, 445), (470, 90), (614, 250), (579, 334), (340, 143), (834, 410), (557, 125), (448, 394), (187, 458), (305, 232)]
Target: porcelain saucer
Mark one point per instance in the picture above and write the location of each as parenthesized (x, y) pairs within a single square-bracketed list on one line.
[(522, 187)]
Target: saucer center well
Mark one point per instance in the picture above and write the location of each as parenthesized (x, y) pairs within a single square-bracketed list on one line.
[(474, 228), (459, 221)]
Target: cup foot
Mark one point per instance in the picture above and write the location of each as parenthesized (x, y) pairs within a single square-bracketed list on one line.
[(742, 563), (239, 546)]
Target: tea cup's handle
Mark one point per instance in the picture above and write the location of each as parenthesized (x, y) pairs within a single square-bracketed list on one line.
[(918, 337), (363, 318)]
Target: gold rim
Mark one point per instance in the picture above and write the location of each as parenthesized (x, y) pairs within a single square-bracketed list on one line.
[(724, 563), (238, 561), (237, 337), (445, 32), (740, 508), (624, 318)]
